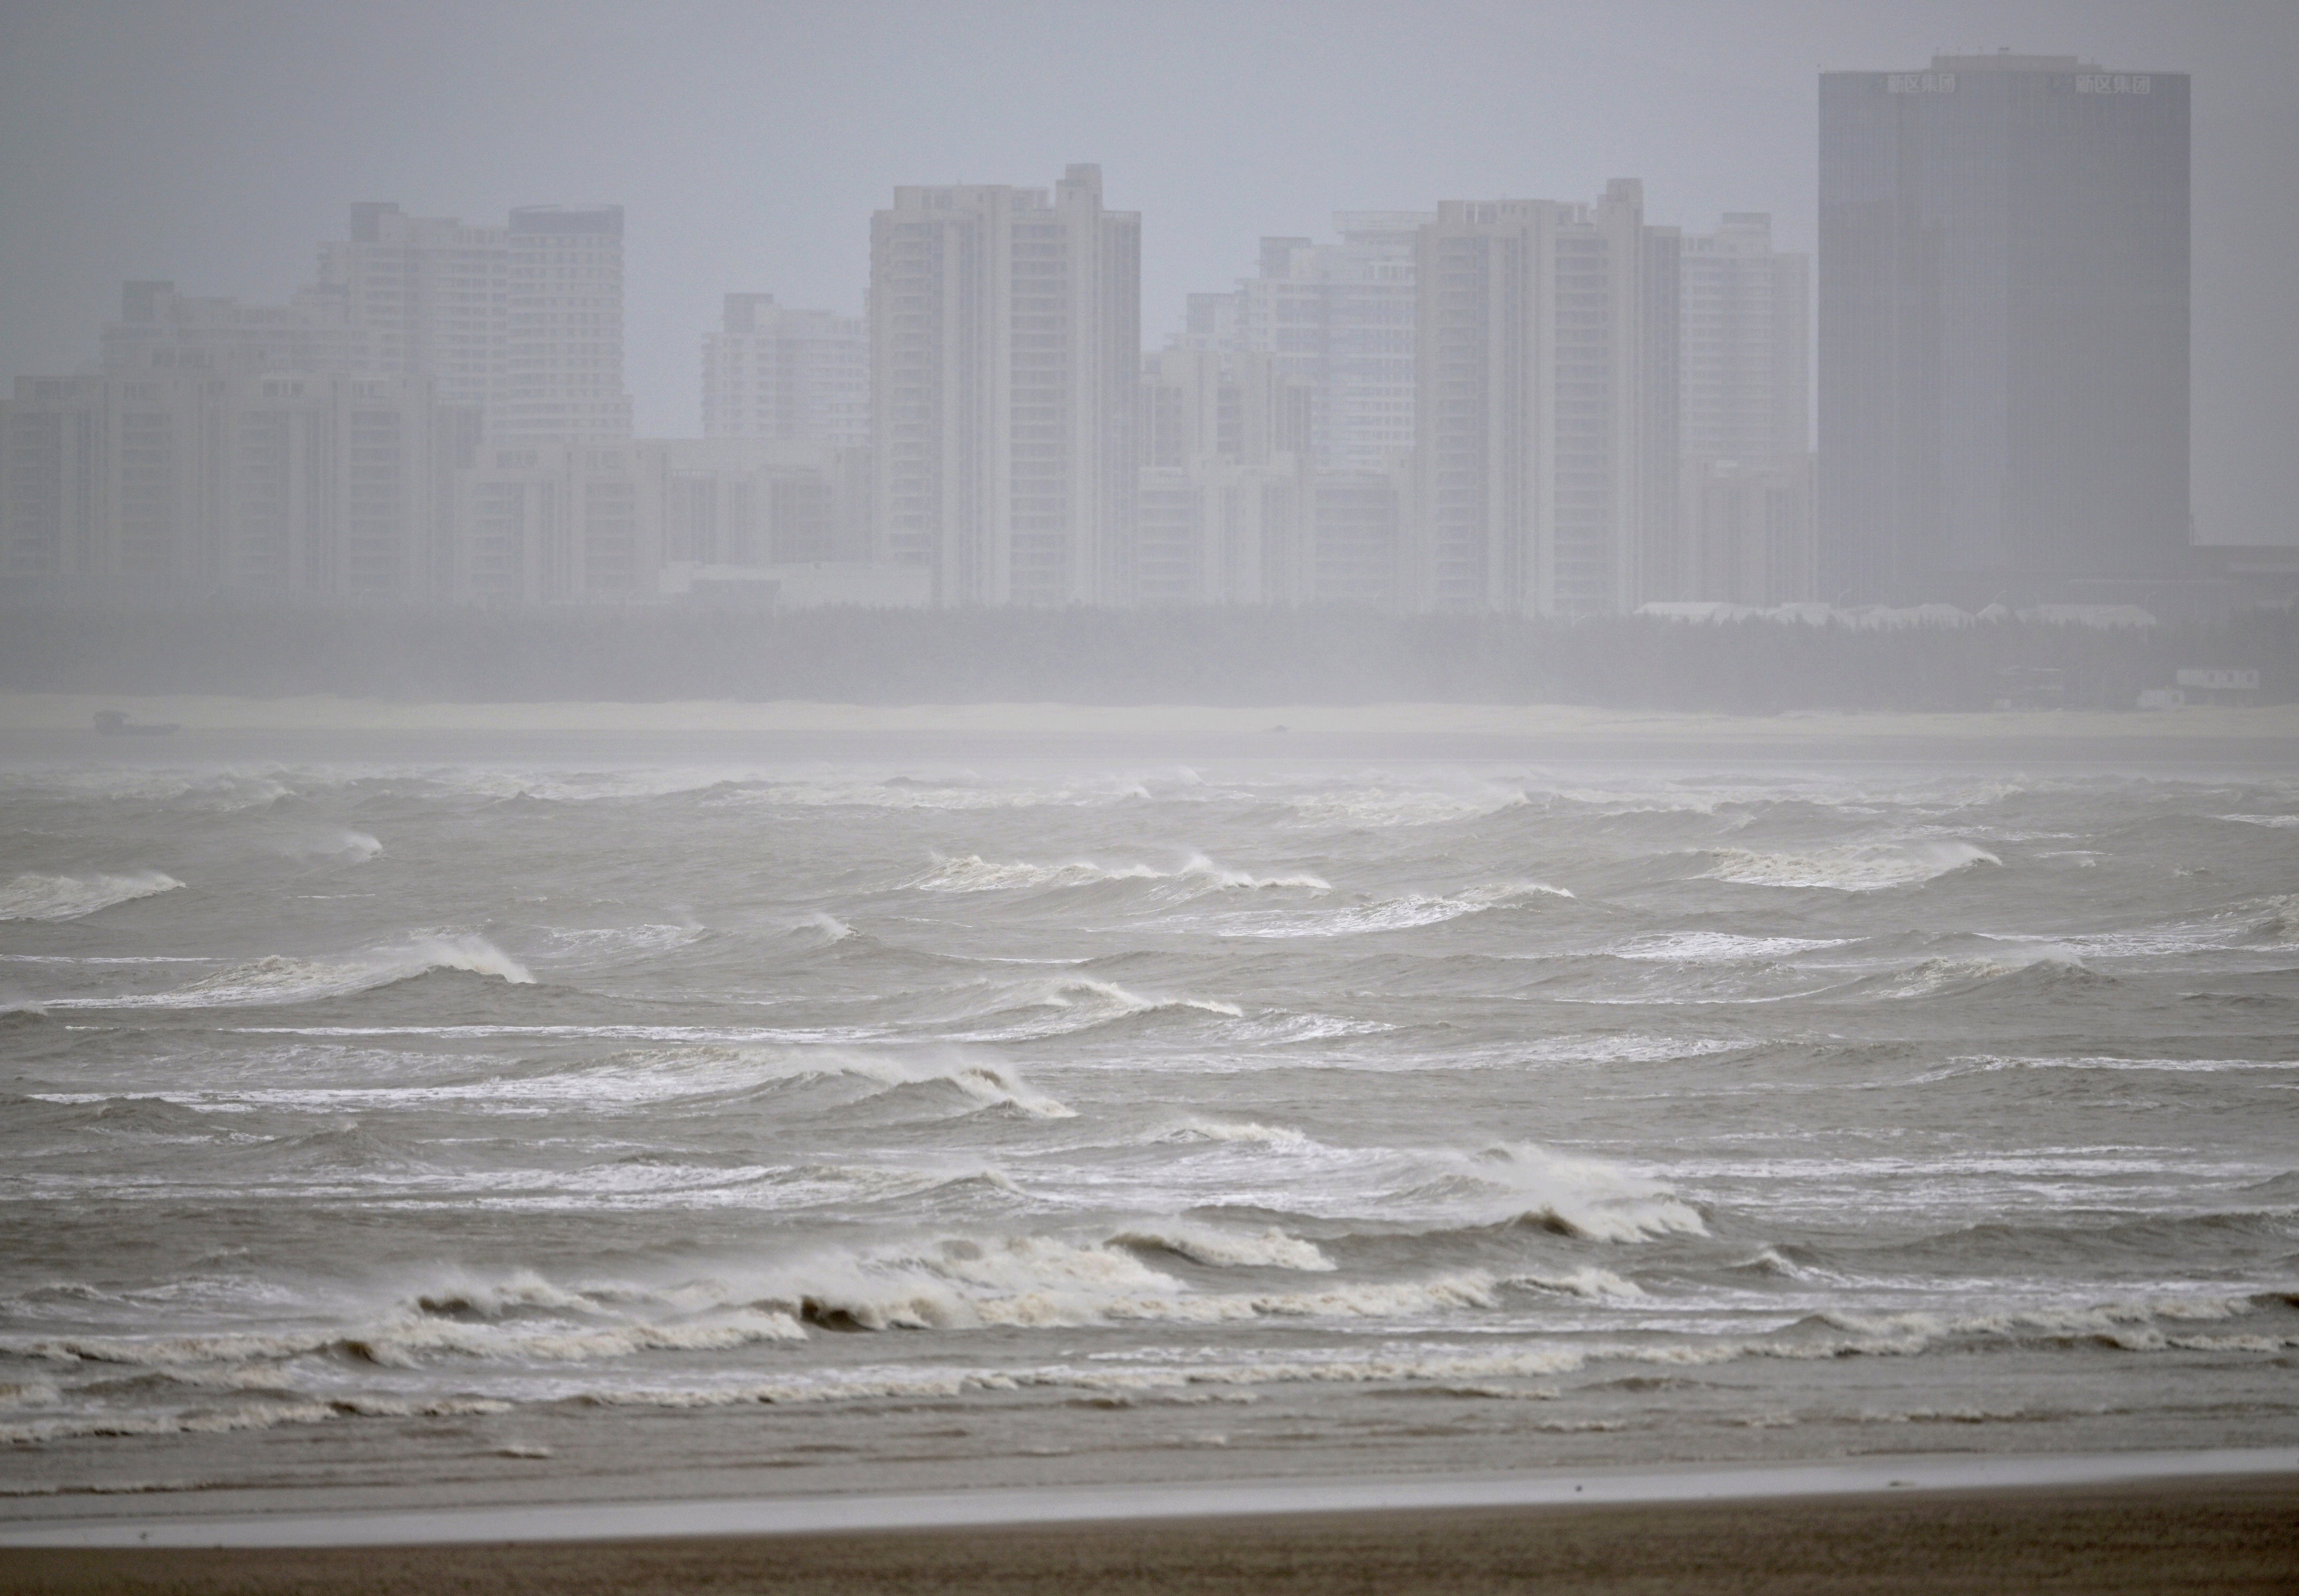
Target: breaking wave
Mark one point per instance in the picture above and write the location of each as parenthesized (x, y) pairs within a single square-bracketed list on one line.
[(1198, 1129), (1082, 1003), (1868, 867), (708, 1072), (1200, 1244), (2044, 967), (1401, 913), (1021, 1281), (280, 979), (971, 873), (1526, 1185), (68, 897)]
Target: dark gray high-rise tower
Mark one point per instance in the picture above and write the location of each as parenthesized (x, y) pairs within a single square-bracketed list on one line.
[(2003, 327)]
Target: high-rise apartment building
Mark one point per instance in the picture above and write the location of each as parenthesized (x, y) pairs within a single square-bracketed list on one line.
[(426, 296), (563, 347), (1224, 465), (164, 333), (541, 523), (1006, 336), (525, 321), (1547, 470), (1235, 507), (279, 483), (2003, 326), (1745, 337), (791, 375), (1338, 315)]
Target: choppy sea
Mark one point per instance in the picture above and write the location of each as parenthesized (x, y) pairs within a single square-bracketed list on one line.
[(526, 1123)]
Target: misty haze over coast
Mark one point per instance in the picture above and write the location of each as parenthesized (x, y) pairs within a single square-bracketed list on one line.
[(766, 754)]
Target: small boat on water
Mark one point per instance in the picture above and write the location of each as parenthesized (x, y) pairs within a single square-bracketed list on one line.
[(115, 723)]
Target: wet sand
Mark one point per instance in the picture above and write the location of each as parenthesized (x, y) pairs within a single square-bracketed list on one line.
[(2237, 1533)]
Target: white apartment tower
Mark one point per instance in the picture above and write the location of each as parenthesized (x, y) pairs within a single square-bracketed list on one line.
[(1748, 495), (788, 375), (1006, 335), (1225, 471), (1747, 336), (425, 295), (163, 331), (525, 321), (1547, 460), (272, 483), (1341, 316), (563, 349)]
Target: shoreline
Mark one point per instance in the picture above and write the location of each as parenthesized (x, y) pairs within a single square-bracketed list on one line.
[(1878, 1477), (2197, 1534), (23, 713), (57, 730)]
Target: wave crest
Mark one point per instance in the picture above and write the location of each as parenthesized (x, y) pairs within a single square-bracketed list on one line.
[(68, 897), (1522, 1183), (972, 873), (1858, 868), (279, 979), (1272, 1249)]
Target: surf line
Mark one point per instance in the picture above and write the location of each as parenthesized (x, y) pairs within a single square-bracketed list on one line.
[(805, 1515)]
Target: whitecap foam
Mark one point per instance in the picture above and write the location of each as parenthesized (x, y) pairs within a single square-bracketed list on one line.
[(1722, 947), (281, 979), (1029, 1281), (1271, 1248), (1858, 868), (1196, 1128), (1587, 1281), (1082, 1002), (1935, 975), (1199, 868), (617, 943), (68, 897), (1403, 913), (1388, 806), (988, 1084), (635, 1080), (971, 873), (1526, 1184)]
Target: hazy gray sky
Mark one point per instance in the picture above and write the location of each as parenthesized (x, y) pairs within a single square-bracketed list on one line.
[(217, 144)]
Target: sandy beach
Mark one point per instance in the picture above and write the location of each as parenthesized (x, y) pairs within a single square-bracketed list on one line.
[(2265, 725), (2237, 1533)]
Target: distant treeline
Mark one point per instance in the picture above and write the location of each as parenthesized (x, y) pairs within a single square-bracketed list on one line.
[(1206, 656)]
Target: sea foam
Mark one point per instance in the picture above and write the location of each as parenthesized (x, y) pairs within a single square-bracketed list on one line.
[(279, 978), (1862, 868), (68, 897)]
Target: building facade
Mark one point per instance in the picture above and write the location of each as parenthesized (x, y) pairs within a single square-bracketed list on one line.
[(1236, 509), (797, 376), (424, 296), (1745, 337), (2003, 326), (1225, 466), (282, 484), (1339, 317), (563, 344), (1547, 472), (161, 333), (539, 522), (1006, 335)]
